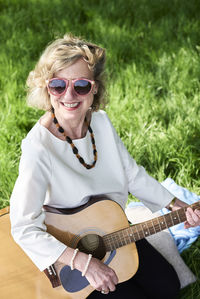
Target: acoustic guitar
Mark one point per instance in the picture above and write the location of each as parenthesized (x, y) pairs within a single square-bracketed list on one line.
[(99, 227)]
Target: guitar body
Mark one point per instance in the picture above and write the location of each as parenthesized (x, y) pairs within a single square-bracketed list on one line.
[(21, 279), (99, 219)]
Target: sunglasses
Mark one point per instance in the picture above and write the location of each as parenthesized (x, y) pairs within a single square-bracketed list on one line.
[(58, 86)]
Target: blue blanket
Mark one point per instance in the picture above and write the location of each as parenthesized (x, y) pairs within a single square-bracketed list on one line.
[(183, 237)]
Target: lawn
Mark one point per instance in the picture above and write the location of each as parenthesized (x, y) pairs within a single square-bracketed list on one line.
[(153, 82)]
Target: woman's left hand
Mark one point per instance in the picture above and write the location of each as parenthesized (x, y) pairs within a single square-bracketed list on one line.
[(193, 218)]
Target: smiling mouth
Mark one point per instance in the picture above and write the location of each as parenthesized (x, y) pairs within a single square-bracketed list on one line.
[(72, 105)]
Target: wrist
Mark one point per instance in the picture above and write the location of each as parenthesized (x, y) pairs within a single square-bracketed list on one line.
[(80, 261), (87, 265)]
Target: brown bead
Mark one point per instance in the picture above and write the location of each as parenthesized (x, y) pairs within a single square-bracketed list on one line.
[(61, 130), (75, 150), (81, 160), (68, 139)]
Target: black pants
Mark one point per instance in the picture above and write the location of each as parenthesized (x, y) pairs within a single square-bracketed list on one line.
[(155, 278)]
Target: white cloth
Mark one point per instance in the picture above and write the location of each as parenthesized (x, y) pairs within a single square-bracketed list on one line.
[(49, 173)]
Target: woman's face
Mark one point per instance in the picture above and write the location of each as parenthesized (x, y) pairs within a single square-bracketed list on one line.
[(70, 106)]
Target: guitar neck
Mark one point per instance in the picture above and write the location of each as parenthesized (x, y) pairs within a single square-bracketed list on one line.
[(144, 229)]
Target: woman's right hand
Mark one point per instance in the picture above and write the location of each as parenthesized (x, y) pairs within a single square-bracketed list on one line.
[(101, 277)]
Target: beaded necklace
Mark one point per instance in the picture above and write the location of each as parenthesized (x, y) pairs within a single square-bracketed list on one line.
[(74, 148)]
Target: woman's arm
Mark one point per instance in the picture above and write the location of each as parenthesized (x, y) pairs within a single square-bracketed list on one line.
[(26, 207)]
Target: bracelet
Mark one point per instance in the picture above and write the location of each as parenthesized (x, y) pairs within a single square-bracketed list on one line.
[(73, 257), (172, 203), (87, 264)]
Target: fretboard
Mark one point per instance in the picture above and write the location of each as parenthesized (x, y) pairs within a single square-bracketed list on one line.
[(144, 229)]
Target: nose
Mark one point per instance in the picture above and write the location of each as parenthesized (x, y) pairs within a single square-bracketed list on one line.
[(69, 94)]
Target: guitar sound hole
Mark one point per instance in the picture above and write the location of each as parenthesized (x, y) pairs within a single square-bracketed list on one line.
[(92, 244)]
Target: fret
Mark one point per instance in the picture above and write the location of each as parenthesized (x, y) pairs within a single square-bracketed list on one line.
[(135, 233), (164, 217), (121, 238), (168, 220), (178, 216), (174, 218), (130, 235), (116, 242), (151, 227), (145, 229), (156, 225), (171, 218), (162, 222), (159, 223), (182, 214), (141, 231), (107, 242), (125, 238)]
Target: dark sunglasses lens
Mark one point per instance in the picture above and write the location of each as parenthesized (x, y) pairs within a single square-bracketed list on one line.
[(82, 87), (57, 86)]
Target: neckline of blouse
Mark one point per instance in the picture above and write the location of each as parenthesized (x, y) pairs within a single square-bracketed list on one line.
[(64, 141)]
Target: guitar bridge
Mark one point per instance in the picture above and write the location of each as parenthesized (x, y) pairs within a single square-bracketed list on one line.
[(52, 276)]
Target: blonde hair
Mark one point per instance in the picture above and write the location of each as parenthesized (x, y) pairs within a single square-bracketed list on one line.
[(58, 55)]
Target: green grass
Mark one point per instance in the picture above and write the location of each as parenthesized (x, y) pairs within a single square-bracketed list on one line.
[(153, 82)]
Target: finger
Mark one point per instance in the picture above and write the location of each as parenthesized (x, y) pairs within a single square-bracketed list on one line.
[(105, 291), (190, 210), (111, 286), (115, 279), (197, 212), (186, 225), (195, 218), (189, 215), (195, 215)]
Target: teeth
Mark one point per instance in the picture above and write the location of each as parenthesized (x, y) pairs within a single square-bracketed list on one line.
[(70, 105)]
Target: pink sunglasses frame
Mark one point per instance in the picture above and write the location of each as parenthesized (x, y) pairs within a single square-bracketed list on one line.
[(92, 82)]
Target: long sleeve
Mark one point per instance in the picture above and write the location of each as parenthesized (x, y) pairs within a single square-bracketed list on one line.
[(140, 183), (27, 217)]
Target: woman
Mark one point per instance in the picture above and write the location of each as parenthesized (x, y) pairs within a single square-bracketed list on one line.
[(73, 153)]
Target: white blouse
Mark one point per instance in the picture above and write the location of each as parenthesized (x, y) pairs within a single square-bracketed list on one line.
[(50, 174)]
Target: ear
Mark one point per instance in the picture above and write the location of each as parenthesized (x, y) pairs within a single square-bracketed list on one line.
[(95, 88)]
